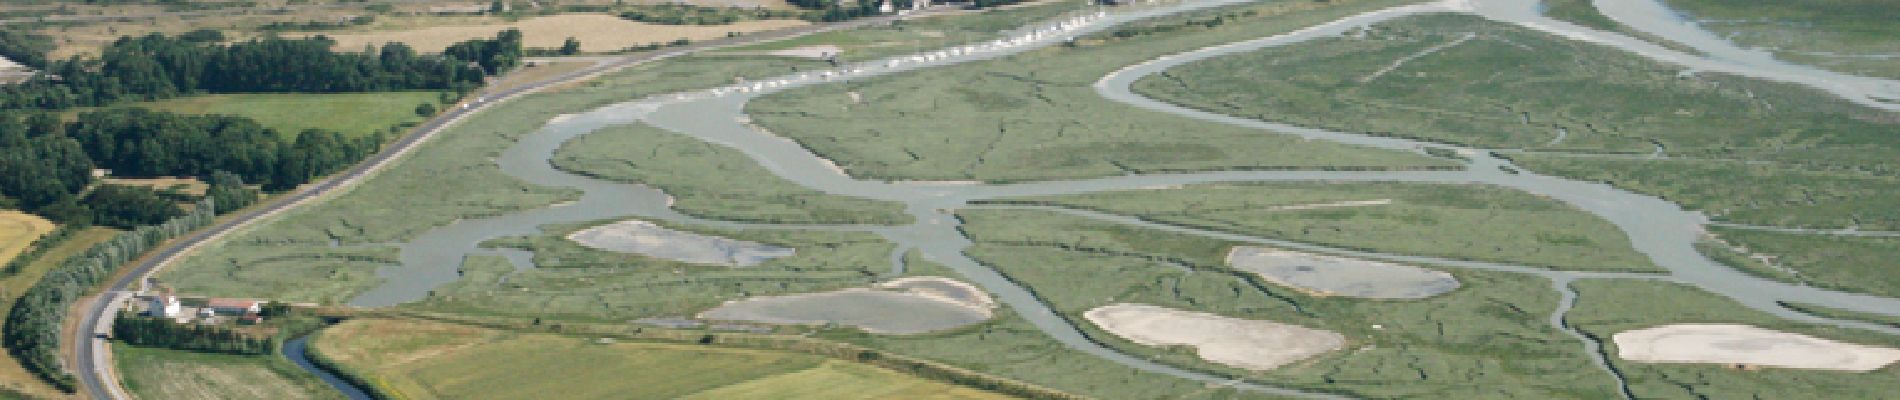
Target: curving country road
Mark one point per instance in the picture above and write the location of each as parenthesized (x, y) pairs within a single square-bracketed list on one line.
[(90, 356)]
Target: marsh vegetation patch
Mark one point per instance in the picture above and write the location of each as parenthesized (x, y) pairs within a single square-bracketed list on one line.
[(1323, 275), (649, 239)]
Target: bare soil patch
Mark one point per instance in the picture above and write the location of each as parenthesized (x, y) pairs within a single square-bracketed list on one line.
[(905, 306), (597, 33), (1240, 343), (1747, 346), (648, 239), (1340, 276), (18, 230)]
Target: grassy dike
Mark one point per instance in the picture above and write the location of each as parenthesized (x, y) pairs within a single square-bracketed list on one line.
[(1605, 307), (1472, 222), (1555, 98), (713, 181), (1489, 339), (1036, 116)]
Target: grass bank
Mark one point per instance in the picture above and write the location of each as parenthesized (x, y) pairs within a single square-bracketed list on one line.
[(18, 232), (1473, 222), (153, 373), (713, 181), (1583, 13), (1605, 307), (1411, 77), (1036, 116), (1488, 339)]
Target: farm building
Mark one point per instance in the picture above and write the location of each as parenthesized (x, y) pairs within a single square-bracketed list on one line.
[(235, 306)]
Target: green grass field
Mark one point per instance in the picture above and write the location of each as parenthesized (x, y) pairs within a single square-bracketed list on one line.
[(1489, 339), (1547, 94), (353, 114), (1473, 222), (422, 360), (162, 374), (1606, 307), (1035, 115), (738, 188), (1850, 263), (1848, 36), (408, 199)]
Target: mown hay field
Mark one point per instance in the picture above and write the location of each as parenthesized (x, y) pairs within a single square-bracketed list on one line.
[(18, 230), (597, 33), (425, 360), (353, 114), (163, 374)]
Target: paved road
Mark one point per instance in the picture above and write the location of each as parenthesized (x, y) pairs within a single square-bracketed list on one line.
[(95, 376)]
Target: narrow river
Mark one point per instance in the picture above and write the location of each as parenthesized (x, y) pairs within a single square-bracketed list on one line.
[(1662, 230)]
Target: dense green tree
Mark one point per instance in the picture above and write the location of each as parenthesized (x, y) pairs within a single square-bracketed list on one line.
[(571, 46), (127, 206)]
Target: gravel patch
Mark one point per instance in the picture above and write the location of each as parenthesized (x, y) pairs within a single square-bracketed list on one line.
[(648, 239), (1339, 276)]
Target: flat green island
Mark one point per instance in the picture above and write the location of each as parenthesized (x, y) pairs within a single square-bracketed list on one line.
[(1471, 222), (1605, 307), (1489, 339), (1851, 36), (713, 181), (1574, 109), (584, 284), (1036, 116), (1863, 264)]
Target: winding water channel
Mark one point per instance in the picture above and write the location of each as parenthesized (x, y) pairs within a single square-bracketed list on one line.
[(1662, 230)]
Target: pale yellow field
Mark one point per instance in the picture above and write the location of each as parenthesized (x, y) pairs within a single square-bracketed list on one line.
[(191, 186), (429, 360), (597, 32), (17, 232)]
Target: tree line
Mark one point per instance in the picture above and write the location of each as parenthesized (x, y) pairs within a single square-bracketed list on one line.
[(46, 166), (163, 332), (156, 66), (33, 325)]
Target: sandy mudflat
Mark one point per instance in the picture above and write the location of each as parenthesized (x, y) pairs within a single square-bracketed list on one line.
[(1339, 276), (905, 306), (1241, 343), (1747, 345), (645, 238)]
